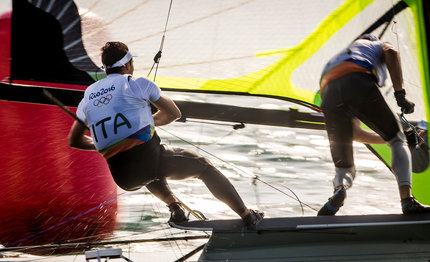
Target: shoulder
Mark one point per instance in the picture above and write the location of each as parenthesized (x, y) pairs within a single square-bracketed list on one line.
[(145, 88), (142, 81)]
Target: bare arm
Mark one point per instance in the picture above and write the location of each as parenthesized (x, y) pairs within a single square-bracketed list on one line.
[(167, 111), (78, 139), (392, 59)]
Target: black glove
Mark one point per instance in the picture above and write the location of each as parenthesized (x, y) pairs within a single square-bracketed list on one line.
[(406, 105), (411, 137)]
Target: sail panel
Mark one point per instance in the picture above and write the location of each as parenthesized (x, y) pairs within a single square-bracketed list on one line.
[(251, 47)]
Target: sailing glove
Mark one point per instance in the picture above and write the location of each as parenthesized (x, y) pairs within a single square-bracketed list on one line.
[(406, 105)]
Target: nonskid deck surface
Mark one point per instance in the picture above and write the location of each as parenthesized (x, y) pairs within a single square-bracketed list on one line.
[(304, 223), (381, 238)]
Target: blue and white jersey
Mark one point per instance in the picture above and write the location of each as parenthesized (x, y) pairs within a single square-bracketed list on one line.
[(117, 107), (368, 54)]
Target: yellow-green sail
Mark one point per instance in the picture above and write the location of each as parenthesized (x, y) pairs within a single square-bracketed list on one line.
[(291, 68), (275, 80)]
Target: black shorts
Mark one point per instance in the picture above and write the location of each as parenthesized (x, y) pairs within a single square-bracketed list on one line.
[(138, 166), (355, 95)]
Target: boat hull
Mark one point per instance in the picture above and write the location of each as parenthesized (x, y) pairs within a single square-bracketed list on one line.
[(50, 192)]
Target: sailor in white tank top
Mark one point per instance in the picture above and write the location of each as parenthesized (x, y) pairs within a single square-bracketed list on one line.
[(117, 108)]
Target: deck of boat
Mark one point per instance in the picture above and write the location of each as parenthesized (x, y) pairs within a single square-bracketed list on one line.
[(338, 238)]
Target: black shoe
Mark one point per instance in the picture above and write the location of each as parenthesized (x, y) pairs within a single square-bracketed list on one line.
[(177, 213), (334, 203), (253, 219), (411, 206)]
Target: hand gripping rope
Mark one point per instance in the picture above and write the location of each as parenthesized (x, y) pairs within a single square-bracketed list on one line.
[(414, 130)]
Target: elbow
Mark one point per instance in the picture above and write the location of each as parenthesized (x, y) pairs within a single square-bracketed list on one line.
[(178, 115), (72, 141), (175, 113), (390, 51)]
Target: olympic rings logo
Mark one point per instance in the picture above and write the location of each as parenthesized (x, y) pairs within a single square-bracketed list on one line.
[(104, 100)]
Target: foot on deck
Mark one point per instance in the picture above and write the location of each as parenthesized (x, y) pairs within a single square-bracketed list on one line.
[(411, 206), (253, 219), (334, 203), (177, 213)]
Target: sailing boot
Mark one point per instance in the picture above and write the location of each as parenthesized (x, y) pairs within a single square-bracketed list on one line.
[(411, 206), (253, 219), (177, 213), (334, 203)]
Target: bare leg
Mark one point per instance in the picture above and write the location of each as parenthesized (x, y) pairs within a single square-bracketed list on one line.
[(365, 136), (405, 192), (177, 163), (161, 190)]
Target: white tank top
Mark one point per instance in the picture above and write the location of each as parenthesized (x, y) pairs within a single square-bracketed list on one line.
[(117, 107)]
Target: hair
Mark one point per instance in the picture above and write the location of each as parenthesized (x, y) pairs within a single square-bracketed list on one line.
[(111, 53)]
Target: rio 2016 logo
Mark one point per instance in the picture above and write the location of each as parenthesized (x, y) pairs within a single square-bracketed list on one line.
[(104, 100)]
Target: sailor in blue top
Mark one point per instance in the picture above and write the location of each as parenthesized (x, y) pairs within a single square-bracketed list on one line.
[(349, 91), (118, 113)]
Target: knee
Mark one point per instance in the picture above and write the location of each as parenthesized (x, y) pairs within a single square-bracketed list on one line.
[(207, 169), (202, 168), (203, 161), (399, 139)]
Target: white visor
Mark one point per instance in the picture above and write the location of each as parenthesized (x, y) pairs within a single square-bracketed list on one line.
[(121, 62)]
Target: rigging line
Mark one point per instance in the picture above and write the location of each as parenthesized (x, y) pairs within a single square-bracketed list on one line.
[(191, 253), (236, 167), (194, 21), (63, 107), (132, 9), (387, 24), (203, 62), (215, 141), (102, 243), (157, 57), (301, 203), (113, 238), (89, 9), (211, 61), (193, 212), (417, 136), (157, 210), (209, 122), (394, 28), (385, 29), (282, 192), (64, 222)]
